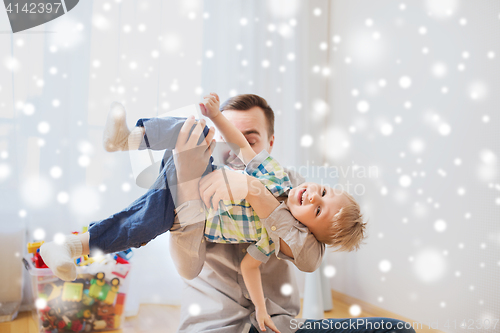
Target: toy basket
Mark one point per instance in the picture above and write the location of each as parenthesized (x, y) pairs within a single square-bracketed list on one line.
[(95, 301)]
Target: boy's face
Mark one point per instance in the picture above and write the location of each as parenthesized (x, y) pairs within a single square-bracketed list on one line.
[(253, 124), (315, 206)]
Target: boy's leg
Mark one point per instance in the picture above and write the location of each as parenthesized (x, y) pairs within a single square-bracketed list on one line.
[(147, 217), (150, 215), (149, 133), (116, 135), (59, 256)]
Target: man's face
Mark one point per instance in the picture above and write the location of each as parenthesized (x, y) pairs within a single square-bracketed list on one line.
[(253, 124)]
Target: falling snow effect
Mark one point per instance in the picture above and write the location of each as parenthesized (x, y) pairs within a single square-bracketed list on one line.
[(425, 116)]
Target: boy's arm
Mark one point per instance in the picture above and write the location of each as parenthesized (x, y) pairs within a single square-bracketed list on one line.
[(251, 275), (292, 242), (210, 108)]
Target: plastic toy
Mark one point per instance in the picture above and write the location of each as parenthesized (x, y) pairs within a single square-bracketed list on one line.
[(127, 254), (38, 261), (96, 285), (120, 301), (86, 299), (110, 297), (33, 247), (72, 292), (105, 310), (99, 325), (52, 291), (90, 303)]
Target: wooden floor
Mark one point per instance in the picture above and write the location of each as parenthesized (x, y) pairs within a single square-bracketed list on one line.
[(165, 319)]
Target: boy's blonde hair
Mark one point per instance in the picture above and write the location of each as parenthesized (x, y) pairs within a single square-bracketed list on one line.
[(347, 230)]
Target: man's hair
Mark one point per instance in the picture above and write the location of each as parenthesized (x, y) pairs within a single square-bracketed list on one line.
[(347, 230), (246, 102)]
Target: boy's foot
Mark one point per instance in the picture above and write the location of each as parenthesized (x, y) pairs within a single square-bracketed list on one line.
[(117, 136), (59, 257), (116, 131)]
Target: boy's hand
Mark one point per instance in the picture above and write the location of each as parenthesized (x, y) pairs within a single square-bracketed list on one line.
[(264, 319), (210, 106)]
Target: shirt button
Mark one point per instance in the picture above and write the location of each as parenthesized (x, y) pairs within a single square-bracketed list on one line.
[(244, 250), (273, 228), (247, 296), (201, 210)]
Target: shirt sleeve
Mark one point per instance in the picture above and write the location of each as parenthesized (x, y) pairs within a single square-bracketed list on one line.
[(187, 243), (190, 212), (257, 254), (307, 250), (270, 173)]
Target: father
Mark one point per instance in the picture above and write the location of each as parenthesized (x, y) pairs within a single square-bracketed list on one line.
[(215, 297)]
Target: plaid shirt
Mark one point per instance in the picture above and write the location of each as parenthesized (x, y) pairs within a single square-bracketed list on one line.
[(236, 222)]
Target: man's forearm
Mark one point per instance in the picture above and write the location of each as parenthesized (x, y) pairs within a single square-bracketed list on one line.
[(187, 243), (187, 191)]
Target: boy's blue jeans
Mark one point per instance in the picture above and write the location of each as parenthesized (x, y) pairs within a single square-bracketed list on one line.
[(154, 212)]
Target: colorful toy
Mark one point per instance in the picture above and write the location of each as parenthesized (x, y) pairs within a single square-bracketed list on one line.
[(96, 285), (110, 298), (118, 320), (33, 247), (127, 254), (72, 292), (105, 310), (120, 260), (84, 261), (86, 299), (37, 260), (90, 303), (99, 325), (120, 301), (52, 291), (76, 326)]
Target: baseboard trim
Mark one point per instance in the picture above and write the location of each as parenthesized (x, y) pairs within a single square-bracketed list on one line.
[(378, 311)]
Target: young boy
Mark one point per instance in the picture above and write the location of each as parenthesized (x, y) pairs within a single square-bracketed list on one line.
[(333, 218)]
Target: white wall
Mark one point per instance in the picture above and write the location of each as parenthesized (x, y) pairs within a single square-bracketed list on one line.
[(437, 160)]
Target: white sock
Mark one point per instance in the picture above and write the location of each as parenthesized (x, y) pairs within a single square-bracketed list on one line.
[(116, 134), (59, 257)]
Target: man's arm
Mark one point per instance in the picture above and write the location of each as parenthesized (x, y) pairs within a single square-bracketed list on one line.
[(187, 235), (187, 243)]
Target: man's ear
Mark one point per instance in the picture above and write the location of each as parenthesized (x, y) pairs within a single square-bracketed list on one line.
[(271, 144)]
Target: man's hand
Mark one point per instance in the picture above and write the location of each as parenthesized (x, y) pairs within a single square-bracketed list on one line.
[(223, 185), (191, 159), (264, 320), (210, 106)]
